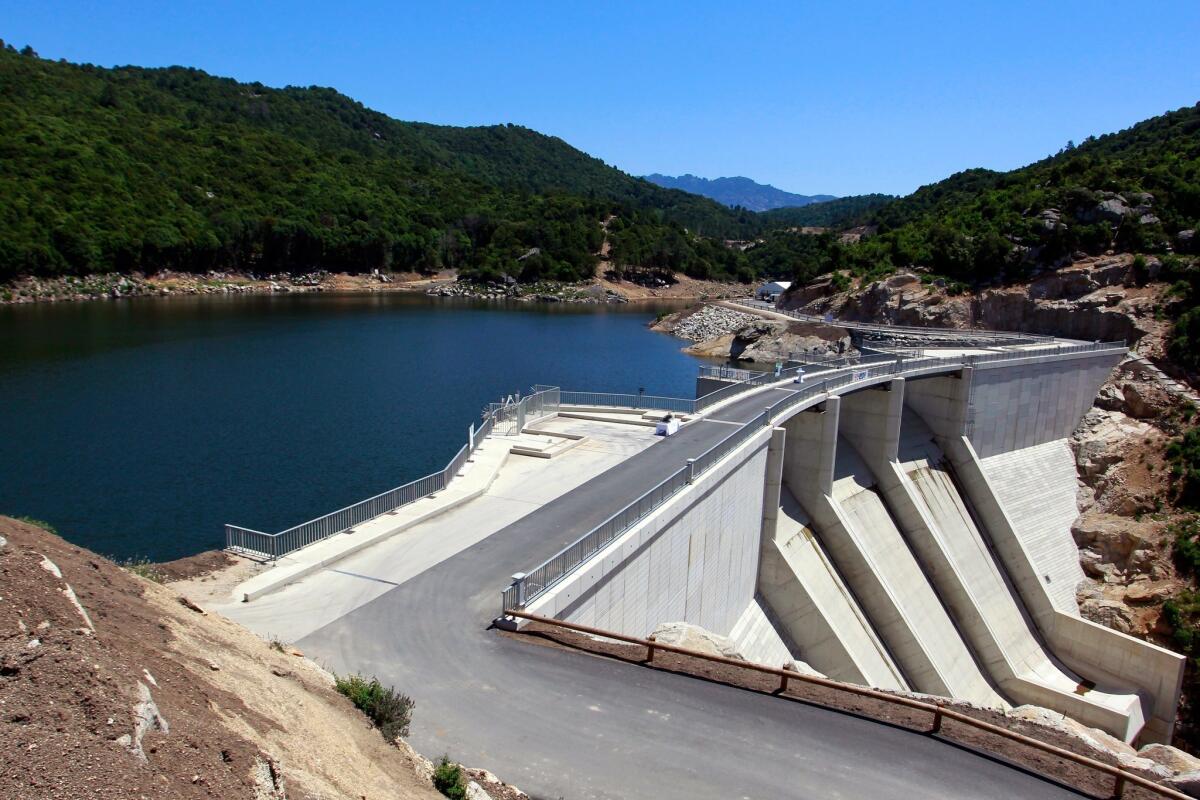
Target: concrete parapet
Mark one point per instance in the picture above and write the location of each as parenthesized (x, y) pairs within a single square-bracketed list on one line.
[(694, 559)]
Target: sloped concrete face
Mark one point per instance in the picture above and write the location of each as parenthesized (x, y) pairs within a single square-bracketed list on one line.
[(1038, 487), (816, 609), (1110, 658), (987, 611)]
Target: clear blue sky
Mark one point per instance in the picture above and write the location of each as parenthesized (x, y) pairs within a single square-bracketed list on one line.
[(812, 97)]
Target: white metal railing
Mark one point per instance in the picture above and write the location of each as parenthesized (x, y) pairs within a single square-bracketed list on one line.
[(726, 373), (542, 402), (642, 401), (538, 580)]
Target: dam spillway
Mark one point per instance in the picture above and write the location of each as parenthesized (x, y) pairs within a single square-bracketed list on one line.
[(884, 553)]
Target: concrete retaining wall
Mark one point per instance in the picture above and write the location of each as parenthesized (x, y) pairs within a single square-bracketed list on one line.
[(1014, 406), (693, 560), (1006, 406)]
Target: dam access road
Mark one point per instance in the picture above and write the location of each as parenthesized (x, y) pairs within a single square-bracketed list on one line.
[(566, 724)]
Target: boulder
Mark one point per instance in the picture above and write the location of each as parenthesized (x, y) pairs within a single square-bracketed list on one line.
[(1148, 768), (693, 637), (1109, 613), (1171, 757), (1093, 737), (1150, 592), (1187, 782), (476, 792), (901, 279), (1111, 210), (1145, 400), (1113, 538), (1185, 241)]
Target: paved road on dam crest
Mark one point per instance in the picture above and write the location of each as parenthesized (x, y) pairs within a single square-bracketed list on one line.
[(563, 724)]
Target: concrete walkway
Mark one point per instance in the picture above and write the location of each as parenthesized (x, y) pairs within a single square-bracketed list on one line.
[(496, 491)]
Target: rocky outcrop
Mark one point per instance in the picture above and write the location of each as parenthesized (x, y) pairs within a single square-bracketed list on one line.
[(721, 332), (1094, 298), (1123, 532), (543, 292)]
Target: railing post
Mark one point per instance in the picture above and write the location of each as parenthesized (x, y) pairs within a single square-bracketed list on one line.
[(650, 648), (518, 584), (691, 465), (766, 416), (937, 719)]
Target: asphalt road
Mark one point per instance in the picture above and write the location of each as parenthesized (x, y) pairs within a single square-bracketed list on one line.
[(563, 724)]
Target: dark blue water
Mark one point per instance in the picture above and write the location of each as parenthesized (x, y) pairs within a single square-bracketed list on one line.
[(138, 428)]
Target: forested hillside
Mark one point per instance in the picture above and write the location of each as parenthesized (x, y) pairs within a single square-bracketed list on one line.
[(141, 169), (1135, 191), (840, 213)]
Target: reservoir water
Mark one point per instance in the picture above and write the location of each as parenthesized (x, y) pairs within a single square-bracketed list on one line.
[(137, 428)]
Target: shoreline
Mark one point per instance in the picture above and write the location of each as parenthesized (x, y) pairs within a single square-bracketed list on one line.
[(99, 287)]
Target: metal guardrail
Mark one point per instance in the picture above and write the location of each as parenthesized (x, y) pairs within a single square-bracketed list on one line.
[(642, 401), (529, 586), (726, 373), (543, 401), (565, 561), (547, 400), (937, 709)]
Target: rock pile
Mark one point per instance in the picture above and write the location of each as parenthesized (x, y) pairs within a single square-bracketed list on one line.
[(710, 322)]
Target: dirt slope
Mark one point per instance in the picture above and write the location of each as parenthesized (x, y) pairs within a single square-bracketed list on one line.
[(132, 694)]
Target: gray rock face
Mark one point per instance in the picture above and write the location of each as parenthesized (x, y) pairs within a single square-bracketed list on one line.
[(1110, 613), (1185, 241), (693, 637), (1112, 210)]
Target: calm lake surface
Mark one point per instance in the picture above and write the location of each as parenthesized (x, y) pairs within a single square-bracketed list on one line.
[(138, 428)]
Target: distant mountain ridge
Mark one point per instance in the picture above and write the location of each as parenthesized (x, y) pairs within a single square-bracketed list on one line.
[(738, 191)]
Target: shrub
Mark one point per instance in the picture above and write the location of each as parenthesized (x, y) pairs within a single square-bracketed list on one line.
[(448, 779), (37, 523), (1183, 454), (143, 568), (1186, 548), (388, 709)]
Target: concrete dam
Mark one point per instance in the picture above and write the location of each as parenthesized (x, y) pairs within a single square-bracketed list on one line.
[(897, 519), (902, 524)]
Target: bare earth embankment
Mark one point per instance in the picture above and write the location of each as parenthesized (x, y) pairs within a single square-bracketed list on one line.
[(112, 686)]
